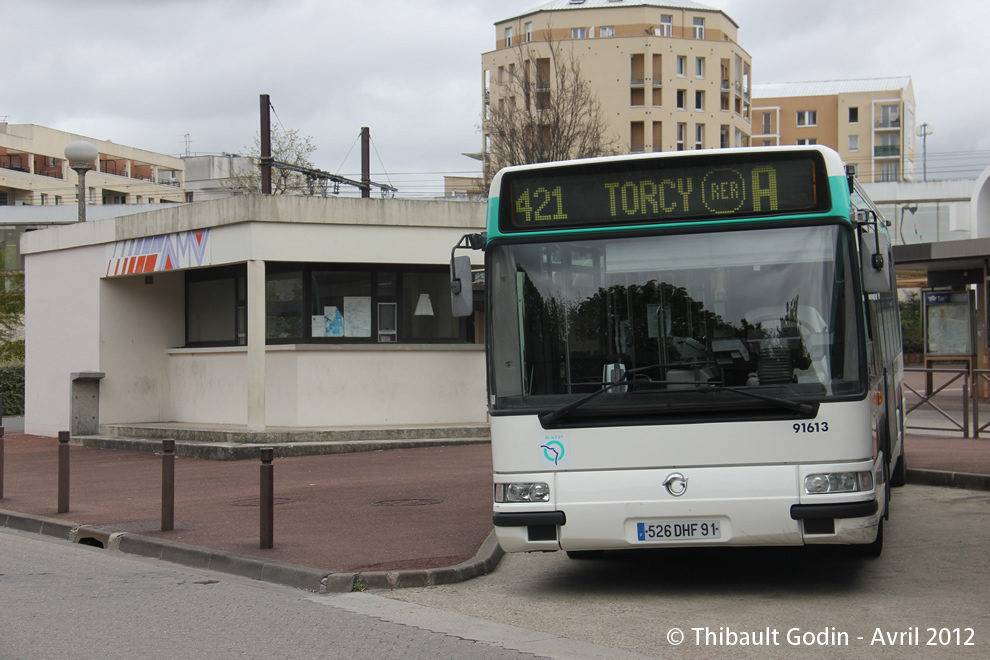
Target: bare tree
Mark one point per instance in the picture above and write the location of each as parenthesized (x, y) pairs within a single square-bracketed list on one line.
[(544, 111), (287, 147)]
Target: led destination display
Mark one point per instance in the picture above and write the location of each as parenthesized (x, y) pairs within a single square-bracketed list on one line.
[(662, 190)]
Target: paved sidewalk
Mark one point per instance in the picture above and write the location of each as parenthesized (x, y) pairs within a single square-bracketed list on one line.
[(384, 518), (381, 519)]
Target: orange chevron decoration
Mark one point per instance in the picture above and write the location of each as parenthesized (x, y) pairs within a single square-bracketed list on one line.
[(151, 254)]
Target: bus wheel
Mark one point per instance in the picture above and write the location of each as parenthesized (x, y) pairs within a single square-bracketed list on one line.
[(871, 549), (585, 554)]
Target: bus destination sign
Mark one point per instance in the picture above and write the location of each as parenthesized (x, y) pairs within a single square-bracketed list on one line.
[(609, 193)]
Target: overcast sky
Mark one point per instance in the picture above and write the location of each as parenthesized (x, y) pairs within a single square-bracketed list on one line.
[(146, 73)]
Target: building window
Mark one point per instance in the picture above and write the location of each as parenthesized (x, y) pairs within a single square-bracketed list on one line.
[(579, 33), (766, 123), (699, 28), (699, 67), (681, 65), (853, 115), (889, 117), (508, 37), (682, 99), (889, 170), (637, 137), (807, 118), (637, 97), (853, 143), (681, 136), (58, 200), (699, 136), (216, 306), (371, 304), (606, 31), (44, 199), (528, 27), (666, 28), (699, 100), (803, 142)]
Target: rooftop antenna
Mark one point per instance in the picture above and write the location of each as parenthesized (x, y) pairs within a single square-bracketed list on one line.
[(188, 142)]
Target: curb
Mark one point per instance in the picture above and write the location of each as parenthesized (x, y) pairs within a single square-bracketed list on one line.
[(239, 451), (256, 568), (966, 480)]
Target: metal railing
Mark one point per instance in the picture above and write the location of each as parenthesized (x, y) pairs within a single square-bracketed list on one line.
[(926, 399), (979, 375)]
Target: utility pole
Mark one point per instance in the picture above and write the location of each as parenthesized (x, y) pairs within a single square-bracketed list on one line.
[(365, 163), (266, 145), (924, 131)]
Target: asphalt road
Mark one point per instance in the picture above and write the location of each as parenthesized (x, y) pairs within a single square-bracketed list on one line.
[(932, 579)]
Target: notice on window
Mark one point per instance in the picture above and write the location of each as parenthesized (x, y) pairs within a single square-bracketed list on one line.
[(357, 316), (329, 324)]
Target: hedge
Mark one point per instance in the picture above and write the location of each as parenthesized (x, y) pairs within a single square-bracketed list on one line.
[(12, 386)]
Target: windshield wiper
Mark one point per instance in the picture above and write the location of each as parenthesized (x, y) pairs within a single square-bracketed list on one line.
[(787, 404), (554, 415), (809, 409)]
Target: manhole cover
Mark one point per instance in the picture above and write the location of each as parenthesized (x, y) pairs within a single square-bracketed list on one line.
[(257, 501), (406, 502)]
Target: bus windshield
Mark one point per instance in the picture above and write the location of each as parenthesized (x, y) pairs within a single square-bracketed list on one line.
[(674, 323)]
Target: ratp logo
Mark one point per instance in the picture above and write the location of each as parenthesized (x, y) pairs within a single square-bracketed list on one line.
[(554, 450)]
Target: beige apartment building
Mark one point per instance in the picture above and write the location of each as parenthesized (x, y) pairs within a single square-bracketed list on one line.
[(870, 122), (35, 172), (669, 75)]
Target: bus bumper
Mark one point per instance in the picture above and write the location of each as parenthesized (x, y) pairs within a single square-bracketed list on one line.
[(744, 505)]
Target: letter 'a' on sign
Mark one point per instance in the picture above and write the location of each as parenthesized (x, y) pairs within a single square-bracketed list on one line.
[(461, 289)]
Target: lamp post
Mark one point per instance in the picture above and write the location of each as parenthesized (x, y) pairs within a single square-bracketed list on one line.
[(80, 154)]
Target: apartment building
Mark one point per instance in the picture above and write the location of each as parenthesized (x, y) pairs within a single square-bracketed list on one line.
[(669, 75), (35, 172), (870, 122)]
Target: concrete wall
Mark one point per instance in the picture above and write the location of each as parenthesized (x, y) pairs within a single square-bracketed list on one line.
[(138, 323), (329, 386), (62, 330)]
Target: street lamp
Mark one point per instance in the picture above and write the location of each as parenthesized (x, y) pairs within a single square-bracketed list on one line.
[(80, 154)]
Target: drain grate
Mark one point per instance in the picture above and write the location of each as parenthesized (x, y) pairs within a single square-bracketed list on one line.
[(257, 501), (406, 502)]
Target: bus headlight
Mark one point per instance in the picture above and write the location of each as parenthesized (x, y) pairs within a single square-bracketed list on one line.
[(838, 482), (522, 492)]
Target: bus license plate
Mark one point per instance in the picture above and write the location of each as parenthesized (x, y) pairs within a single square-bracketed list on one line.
[(677, 530)]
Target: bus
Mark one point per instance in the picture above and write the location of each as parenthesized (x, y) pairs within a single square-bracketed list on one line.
[(689, 349)]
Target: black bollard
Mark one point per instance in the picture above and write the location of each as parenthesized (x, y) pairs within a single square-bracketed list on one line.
[(267, 499), (63, 471), (168, 485)]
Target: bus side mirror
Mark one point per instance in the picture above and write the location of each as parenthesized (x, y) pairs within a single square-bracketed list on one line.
[(461, 290), (875, 263)]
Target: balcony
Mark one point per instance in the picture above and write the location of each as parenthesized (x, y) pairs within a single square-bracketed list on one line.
[(12, 162), (19, 163), (888, 123), (887, 151)]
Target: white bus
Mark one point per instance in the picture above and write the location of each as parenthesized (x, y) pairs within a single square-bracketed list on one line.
[(689, 349)]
